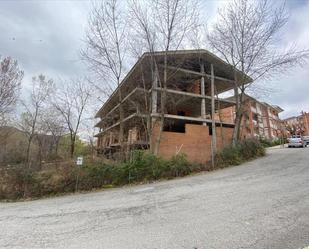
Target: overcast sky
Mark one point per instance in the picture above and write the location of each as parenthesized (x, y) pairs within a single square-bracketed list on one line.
[(46, 36)]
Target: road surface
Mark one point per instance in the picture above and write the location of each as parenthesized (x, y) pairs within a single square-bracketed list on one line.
[(260, 204)]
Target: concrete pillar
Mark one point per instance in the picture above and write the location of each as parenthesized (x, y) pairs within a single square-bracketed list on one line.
[(154, 94), (213, 123), (268, 124), (251, 126), (203, 104)]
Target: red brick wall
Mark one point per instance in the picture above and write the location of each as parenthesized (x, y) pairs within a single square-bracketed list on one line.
[(306, 123), (195, 142), (226, 114), (195, 87)]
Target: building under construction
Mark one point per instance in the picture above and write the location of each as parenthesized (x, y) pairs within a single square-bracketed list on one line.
[(168, 101)]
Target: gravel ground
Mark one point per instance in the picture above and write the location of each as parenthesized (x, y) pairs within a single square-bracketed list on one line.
[(260, 204)]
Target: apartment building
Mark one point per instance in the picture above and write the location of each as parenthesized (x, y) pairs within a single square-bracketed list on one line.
[(179, 117), (260, 119), (297, 125)]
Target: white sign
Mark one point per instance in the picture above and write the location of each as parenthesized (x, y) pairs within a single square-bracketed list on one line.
[(79, 161)]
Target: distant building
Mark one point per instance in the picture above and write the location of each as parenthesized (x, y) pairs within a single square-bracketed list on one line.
[(260, 119), (297, 125)]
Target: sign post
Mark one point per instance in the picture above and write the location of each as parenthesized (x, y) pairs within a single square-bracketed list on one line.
[(79, 163)]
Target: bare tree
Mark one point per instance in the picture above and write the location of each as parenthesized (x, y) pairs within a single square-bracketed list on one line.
[(10, 80), (53, 125), (106, 45), (163, 25), (245, 36), (71, 102), (42, 88), (90, 137), (144, 39)]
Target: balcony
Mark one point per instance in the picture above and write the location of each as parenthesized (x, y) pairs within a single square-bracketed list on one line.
[(253, 109)]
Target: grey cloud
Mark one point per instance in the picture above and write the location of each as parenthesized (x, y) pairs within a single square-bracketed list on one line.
[(45, 37), (290, 90), (293, 87)]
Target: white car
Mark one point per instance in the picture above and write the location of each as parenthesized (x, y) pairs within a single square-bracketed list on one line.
[(296, 142), (306, 139)]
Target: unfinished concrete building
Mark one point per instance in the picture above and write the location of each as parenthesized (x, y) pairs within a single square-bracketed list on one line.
[(185, 105)]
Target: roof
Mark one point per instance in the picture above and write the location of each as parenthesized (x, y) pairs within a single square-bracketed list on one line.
[(246, 97), (191, 59), (296, 117), (274, 107), (278, 108), (290, 118)]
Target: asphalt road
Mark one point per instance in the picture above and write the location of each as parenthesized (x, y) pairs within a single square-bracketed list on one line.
[(261, 204)]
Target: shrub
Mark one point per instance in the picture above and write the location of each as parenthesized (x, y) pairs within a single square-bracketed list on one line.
[(179, 166), (11, 183), (269, 143), (157, 166), (251, 148), (265, 142), (90, 177), (243, 151), (228, 156), (142, 167), (18, 182)]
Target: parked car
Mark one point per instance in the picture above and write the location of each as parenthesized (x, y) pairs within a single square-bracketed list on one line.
[(306, 139), (296, 142)]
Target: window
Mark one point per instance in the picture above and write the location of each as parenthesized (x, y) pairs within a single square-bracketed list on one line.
[(175, 126)]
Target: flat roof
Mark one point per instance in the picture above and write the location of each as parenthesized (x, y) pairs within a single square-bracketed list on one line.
[(189, 59), (275, 107)]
